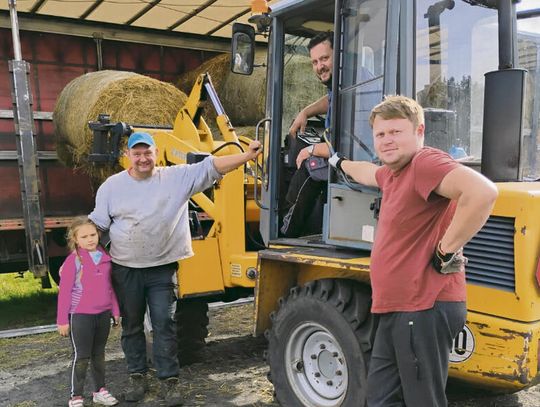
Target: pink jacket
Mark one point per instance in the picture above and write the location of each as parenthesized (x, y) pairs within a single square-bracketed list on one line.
[(85, 287)]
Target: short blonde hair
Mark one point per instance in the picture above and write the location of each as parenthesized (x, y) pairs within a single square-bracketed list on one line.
[(398, 107), (71, 235)]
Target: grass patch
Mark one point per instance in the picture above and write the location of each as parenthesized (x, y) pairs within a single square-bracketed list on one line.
[(33, 350), (23, 303)]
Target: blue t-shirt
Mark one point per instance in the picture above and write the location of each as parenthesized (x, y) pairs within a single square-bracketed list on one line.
[(329, 112)]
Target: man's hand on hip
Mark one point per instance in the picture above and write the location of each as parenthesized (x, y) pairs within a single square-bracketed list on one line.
[(448, 263)]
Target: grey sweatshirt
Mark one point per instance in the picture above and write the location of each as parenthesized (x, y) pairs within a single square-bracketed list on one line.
[(147, 219)]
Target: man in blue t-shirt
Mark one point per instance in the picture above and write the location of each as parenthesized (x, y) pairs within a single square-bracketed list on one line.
[(303, 191)]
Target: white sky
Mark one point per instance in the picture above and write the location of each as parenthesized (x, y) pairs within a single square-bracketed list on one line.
[(530, 25), (528, 5)]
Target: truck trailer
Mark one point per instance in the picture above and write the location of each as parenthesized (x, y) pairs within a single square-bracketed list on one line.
[(55, 51)]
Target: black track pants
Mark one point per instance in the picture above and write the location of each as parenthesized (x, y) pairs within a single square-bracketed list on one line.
[(409, 362), (89, 333)]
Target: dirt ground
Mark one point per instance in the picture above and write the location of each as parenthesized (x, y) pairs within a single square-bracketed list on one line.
[(34, 371)]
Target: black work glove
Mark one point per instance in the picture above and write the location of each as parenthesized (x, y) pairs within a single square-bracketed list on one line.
[(447, 263), (336, 160)]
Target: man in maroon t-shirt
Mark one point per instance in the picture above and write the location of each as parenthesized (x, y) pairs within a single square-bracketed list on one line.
[(431, 206)]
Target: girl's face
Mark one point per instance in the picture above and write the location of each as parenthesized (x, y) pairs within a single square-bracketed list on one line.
[(87, 237)]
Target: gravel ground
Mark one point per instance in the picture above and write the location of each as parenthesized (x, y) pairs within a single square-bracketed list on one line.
[(34, 371)]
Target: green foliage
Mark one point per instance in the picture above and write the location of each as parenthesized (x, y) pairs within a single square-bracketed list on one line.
[(23, 303)]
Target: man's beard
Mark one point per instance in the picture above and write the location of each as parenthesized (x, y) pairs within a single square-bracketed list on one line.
[(327, 83)]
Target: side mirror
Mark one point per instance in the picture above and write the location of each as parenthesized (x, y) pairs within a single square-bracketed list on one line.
[(243, 49)]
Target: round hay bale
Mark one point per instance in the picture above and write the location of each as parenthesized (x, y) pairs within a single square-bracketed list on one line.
[(243, 97), (125, 96), (300, 89), (218, 67), (246, 131)]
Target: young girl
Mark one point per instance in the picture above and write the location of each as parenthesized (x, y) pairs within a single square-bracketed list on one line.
[(86, 302)]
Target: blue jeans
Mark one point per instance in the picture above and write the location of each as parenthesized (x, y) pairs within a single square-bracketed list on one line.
[(136, 288)]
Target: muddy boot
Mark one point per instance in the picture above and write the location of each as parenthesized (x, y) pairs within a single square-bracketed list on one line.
[(136, 388), (170, 392)]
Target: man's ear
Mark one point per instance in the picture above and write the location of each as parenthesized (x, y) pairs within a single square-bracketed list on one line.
[(420, 130)]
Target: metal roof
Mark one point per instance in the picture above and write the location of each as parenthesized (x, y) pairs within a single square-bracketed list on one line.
[(192, 18)]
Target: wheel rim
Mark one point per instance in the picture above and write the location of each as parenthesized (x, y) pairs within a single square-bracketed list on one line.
[(316, 366)]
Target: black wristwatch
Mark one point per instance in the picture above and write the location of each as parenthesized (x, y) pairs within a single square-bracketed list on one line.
[(340, 161)]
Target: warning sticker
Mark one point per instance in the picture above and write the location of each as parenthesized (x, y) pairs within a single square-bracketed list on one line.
[(368, 233), (236, 270)]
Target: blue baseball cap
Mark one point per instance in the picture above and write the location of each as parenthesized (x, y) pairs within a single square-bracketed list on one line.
[(140, 137)]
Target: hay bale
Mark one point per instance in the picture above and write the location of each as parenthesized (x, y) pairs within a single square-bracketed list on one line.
[(300, 89), (126, 96), (243, 97), (218, 67), (246, 131)]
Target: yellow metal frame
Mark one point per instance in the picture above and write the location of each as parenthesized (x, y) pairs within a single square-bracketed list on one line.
[(522, 202), (505, 354), (280, 270)]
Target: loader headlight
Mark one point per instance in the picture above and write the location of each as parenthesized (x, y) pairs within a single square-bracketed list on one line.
[(251, 273)]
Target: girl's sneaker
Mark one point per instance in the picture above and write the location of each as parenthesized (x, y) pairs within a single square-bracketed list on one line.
[(76, 401), (104, 398)]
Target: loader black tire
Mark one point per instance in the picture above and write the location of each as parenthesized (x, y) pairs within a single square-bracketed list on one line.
[(320, 344), (191, 329)]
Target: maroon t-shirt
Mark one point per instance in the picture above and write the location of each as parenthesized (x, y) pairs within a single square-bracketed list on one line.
[(412, 221)]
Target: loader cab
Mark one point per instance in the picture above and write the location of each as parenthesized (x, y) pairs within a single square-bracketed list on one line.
[(437, 52)]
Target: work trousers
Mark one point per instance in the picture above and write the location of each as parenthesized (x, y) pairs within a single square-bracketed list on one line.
[(137, 288), (409, 361), (302, 196), (89, 333)]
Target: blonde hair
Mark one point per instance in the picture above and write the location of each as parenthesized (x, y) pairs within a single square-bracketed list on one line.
[(71, 235), (398, 107)]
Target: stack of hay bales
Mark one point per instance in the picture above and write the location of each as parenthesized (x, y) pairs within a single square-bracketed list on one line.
[(125, 96), (137, 99), (243, 97)]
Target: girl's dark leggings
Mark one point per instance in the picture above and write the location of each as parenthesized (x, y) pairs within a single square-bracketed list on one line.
[(89, 333)]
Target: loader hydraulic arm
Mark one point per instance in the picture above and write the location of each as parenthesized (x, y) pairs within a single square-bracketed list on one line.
[(190, 125), (190, 133)]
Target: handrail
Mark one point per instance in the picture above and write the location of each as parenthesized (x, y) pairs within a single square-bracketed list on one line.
[(255, 184)]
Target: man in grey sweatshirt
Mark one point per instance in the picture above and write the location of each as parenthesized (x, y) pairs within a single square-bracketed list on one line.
[(145, 210)]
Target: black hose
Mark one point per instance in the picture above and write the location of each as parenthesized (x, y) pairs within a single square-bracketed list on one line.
[(229, 143)]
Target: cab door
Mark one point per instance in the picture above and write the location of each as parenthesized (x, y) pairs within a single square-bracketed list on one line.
[(369, 31), (291, 85), (270, 129)]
